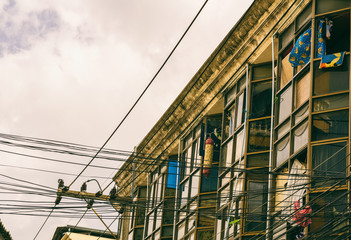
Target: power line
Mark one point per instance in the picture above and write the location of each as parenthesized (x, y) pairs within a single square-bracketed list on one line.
[(142, 94)]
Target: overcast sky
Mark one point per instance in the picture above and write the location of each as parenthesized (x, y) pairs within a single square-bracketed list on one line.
[(70, 71)]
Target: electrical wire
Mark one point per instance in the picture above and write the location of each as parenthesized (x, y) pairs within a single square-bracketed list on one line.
[(142, 94)]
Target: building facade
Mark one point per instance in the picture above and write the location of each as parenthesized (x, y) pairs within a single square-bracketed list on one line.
[(256, 146), (81, 233)]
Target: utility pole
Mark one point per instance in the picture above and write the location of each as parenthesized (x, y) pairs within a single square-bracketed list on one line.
[(116, 201)]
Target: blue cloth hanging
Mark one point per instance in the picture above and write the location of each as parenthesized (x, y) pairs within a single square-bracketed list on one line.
[(332, 60), (321, 46), (301, 52)]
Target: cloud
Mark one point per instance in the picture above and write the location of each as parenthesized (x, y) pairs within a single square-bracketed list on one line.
[(19, 31)]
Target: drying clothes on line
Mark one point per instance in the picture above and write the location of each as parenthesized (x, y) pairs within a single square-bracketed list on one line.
[(301, 216), (301, 52), (332, 60)]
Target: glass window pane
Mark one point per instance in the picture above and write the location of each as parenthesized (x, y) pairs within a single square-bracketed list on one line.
[(207, 234), (230, 95), (287, 36), (168, 212), (151, 223), (239, 148), (187, 161), (242, 83), (328, 164), (281, 182), (158, 217), (206, 218), (282, 151), (331, 102), (323, 6), (286, 70), (303, 90), (330, 125), (330, 210), (300, 136), (191, 222), (181, 230), (259, 135), (283, 129), (208, 200), (262, 72), (229, 118), (257, 206), (238, 186), (184, 191), (301, 114), (195, 179), (285, 104), (261, 100), (240, 110), (227, 155), (333, 80), (304, 17), (138, 233), (210, 183), (224, 195), (225, 178), (258, 160)]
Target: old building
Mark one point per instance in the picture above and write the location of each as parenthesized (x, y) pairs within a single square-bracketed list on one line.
[(256, 146), (81, 233)]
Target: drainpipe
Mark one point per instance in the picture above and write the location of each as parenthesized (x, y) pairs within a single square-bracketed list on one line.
[(176, 193), (133, 175), (226, 233), (146, 203), (270, 168)]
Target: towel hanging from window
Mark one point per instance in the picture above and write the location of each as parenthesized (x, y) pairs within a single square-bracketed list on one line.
[(332, 60)]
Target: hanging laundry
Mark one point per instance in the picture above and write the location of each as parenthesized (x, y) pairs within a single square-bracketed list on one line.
[(301, 52), (301, 216), (328, 26), (332, 60), (321, 46)]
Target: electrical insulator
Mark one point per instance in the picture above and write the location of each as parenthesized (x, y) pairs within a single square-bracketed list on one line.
[(208, 157)]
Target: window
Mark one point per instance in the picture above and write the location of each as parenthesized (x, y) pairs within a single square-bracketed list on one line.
[(229, 119), (286, 70), (261, 99), (282, 151), (256, 206), (331, 102), (339, 40), (328, 164), (330, 210), (240, 147), (227, 153), (262, 72), (259, 135), (258, 160), (331, 81), (285, 101), (302, 89), (323, 6), (330, 125), (300, 135), (240, 110)]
